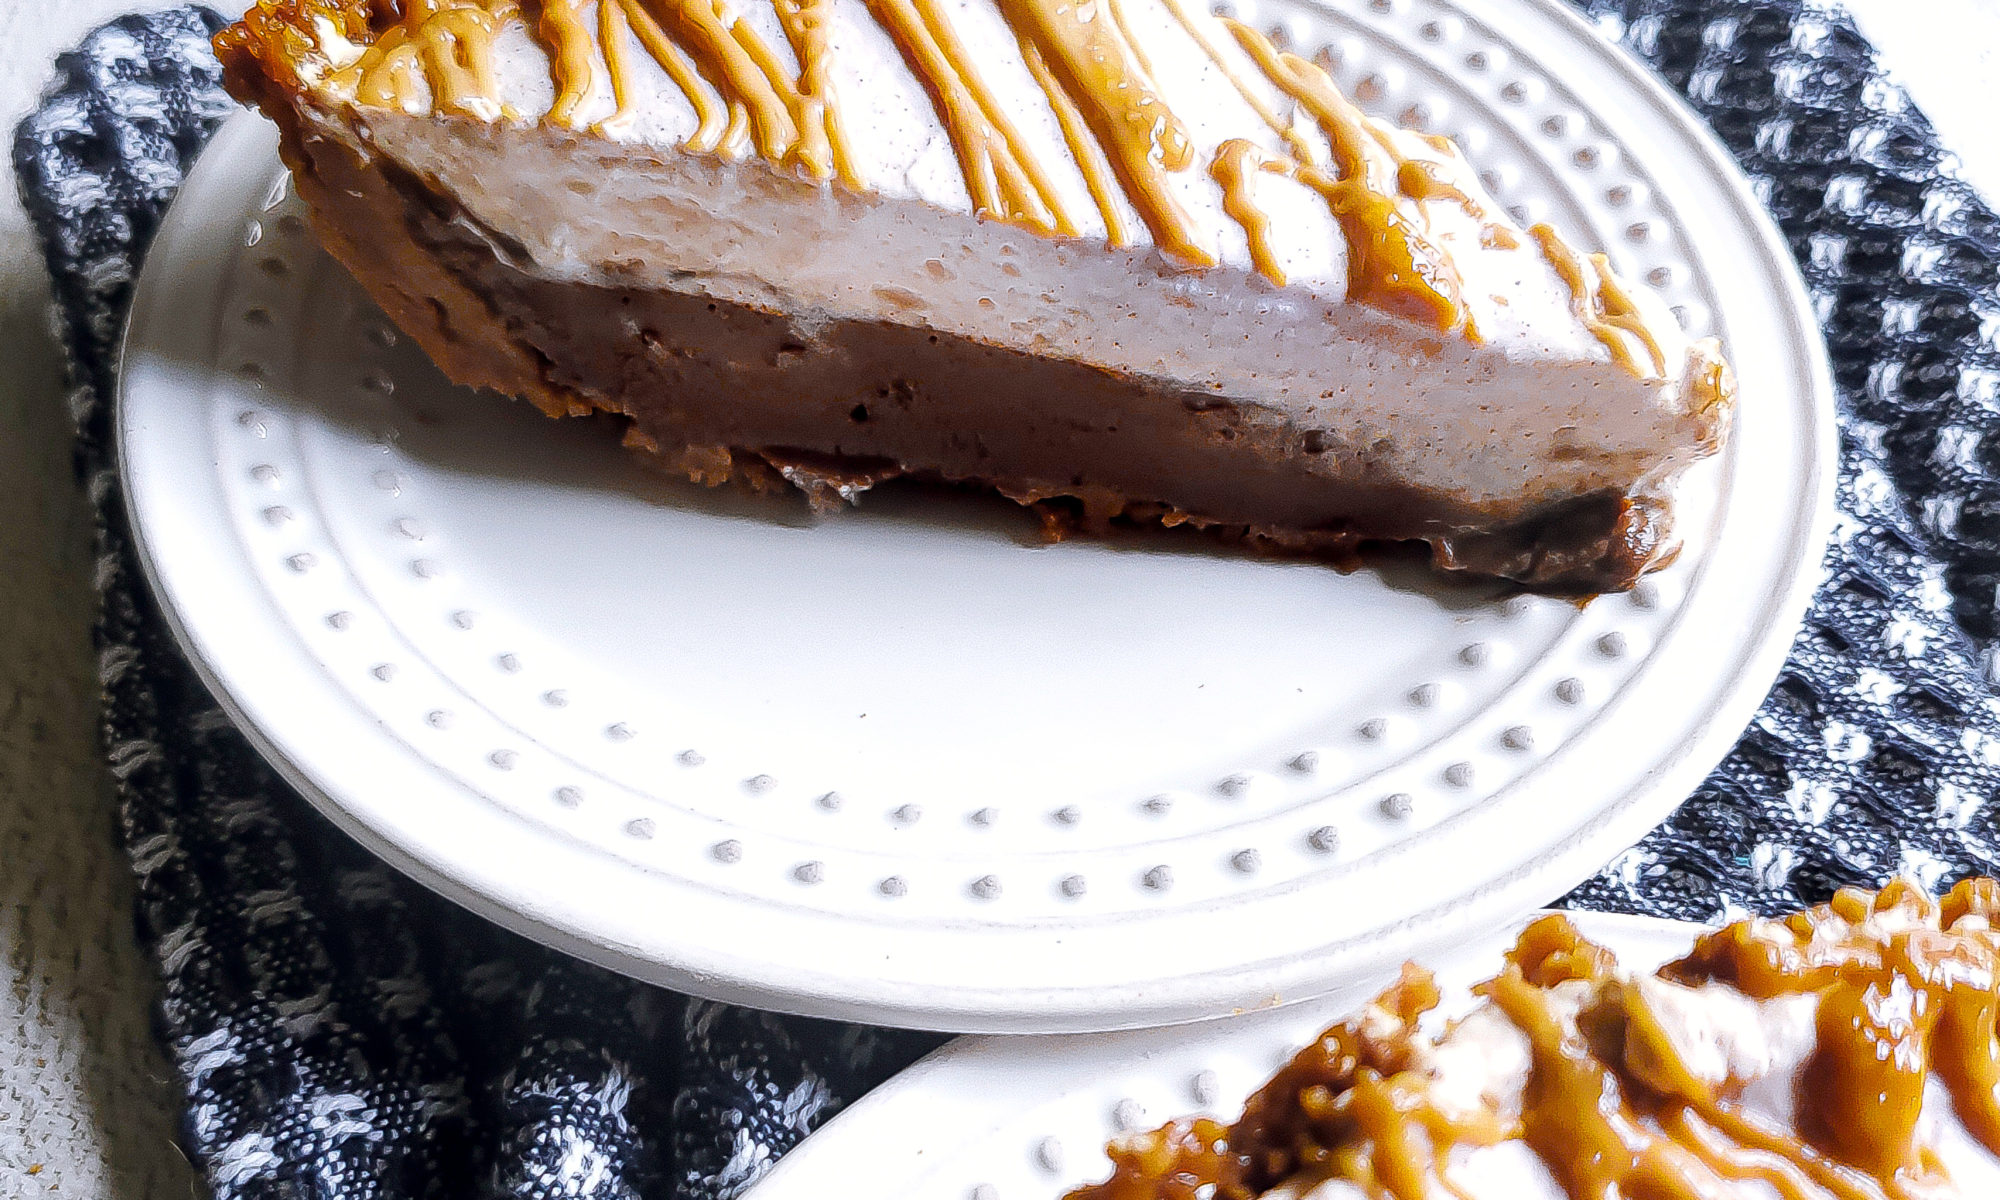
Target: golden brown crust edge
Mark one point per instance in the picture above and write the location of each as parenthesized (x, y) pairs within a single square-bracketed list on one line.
[(275, 40), (343, 194), (265, 60)]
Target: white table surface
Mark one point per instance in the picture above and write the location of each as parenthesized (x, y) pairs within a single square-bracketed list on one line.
[(85, 1109)]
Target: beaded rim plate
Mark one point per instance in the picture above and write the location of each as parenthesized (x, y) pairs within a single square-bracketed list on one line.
[(905, 764), (999, 1118)]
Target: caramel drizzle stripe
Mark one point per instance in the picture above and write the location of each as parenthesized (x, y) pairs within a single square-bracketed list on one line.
[(805, 24), (1421, 1137), (1863, 1103), (712, 115), (1095, 65), (1449, 177), (836, 138), (1391, 265), (1620, 311), (1567, 1104), (955, 107), (1720, 1153), (1083, 148), (1747, 1151), (1590, 1147), (1607, 313), (1235, 167), (1031, 197), (952, 83), (1737, 1148), (1344, 126), (1403, 1158), (613, 27), (810, 147), (1138, 49), (736, 133), (1889, 1011), (404, 73), (1300, 149), (1968, 1059), (720, 54), (387, 72), (458, 60), (572, 65), (1365, 150)]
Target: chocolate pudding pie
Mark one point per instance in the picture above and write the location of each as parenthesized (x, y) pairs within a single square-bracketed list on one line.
[(1844, 1053), (1117, 259)]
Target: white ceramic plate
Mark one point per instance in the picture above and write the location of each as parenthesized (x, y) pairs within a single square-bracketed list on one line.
[(905, 764), (1008, 1118)]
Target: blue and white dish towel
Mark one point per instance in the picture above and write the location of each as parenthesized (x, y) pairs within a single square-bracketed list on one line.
[(342, 1034)]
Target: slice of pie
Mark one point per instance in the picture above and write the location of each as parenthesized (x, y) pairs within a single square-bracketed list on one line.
[(1844, 1053), (1118, 259)]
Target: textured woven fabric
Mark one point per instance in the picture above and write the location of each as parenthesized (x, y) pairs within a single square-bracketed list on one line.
[(342, 1033), (1878, 752)]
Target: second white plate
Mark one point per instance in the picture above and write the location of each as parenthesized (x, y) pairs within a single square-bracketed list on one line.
[(906, 765), (1005, 1118)]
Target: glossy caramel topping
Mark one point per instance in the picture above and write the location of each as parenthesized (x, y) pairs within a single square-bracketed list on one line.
[(1622, 1100), (448, 46), (1392, 264), (1099, 68), (575, 62), (1300, 148), (738, 63), (716, 123), (1385, 189), (1001, 175), (1602, 304), (805, 23), (1235, 168), (1965, 1054), (1089, 156)]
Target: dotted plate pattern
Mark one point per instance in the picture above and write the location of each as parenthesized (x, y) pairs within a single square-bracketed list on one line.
[(905, 764), (1027, 1119)]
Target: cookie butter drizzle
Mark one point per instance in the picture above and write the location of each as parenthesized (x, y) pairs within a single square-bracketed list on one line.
[(1379, 184), (1001, 176), (1235, 168), (1601, 303), (1099, 69), (716, 123), (1391, 264), (448, 46), (1904, 987)]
